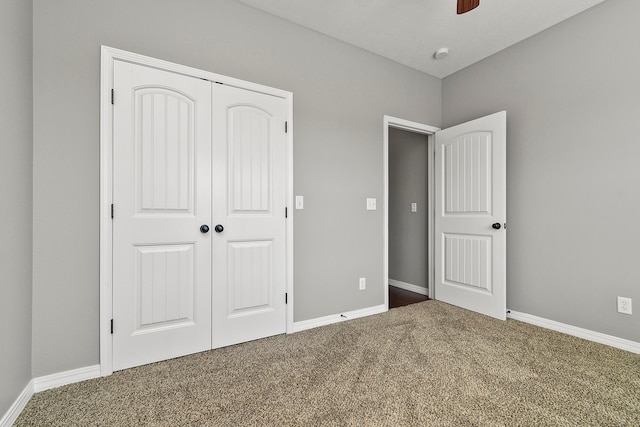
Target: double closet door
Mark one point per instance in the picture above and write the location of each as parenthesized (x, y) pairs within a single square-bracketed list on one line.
[(199, 215)]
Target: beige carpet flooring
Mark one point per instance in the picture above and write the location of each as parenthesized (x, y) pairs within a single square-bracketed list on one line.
[(427, 364)]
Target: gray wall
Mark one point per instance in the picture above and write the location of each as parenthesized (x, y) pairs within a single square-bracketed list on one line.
[(340, 96), (408, 184), (572, 95), (16, 152)]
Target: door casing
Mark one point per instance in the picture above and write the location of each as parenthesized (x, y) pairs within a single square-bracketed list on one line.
[(394, 122), (108, 56)]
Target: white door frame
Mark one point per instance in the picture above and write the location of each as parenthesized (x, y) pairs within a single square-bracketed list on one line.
[(108, 56), (394, 122)]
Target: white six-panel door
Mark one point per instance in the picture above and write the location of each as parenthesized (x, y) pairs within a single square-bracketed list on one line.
[(161, 195), (470, 215), (249, 173)]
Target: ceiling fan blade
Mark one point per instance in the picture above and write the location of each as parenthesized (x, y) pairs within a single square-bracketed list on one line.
[(465, 6)]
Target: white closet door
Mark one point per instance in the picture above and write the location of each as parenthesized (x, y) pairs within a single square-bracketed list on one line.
[(470, 218), (162, 196), (249, 167)]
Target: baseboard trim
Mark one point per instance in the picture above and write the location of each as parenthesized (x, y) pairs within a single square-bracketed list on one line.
[(408, 287), (67, 377), (16, 409), (47, 382), (337, 318), (575, 331)]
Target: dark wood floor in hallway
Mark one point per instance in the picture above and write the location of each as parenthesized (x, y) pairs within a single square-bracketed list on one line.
[(400, 297)]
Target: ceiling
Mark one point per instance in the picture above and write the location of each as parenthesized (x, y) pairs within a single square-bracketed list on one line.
[(410, 31)]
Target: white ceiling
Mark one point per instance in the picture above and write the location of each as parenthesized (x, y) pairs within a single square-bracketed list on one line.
[(410, 31)]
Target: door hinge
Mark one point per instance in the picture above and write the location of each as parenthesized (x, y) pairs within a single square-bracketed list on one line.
[(286, 127), (111, 325), (286, 298), (113, 96), (286, 212), (111, 210)]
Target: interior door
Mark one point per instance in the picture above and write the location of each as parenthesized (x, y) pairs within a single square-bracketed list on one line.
[(249, 152), (470, 216), (162, 196)]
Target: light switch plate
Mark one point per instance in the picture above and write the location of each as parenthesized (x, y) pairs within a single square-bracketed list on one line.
[(371, 204), (299, 202), (414, 207)]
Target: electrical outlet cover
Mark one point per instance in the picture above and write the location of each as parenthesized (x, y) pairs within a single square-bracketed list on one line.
[(624, 305)]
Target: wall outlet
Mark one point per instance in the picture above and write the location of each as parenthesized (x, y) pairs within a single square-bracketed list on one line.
[(624, 305), (363, 283), (414, 207), (299, 202)]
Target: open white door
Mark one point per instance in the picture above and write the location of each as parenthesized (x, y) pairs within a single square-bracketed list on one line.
[(470, 215)]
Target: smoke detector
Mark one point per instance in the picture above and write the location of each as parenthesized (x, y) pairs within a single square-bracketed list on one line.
[(441, 53)]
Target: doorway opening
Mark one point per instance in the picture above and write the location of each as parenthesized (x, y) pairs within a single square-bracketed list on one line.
[(408, 211)]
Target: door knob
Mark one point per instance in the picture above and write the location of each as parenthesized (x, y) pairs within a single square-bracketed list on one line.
[(219, 228), (204, 228), (496, 226)]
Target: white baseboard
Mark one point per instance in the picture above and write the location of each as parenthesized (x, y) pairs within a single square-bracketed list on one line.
[(47, 382), (336, 318), (408, 287), (67, 377), (15, 410), (586, 334)]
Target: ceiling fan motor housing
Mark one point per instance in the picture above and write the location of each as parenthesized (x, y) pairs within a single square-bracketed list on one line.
[(465, 6)]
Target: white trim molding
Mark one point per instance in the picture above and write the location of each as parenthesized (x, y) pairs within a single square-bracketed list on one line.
[(59, 379), (408, 287), (290, 211), (575, 331), (47, 382), (398, 123), (337, 318), (17, 407)]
